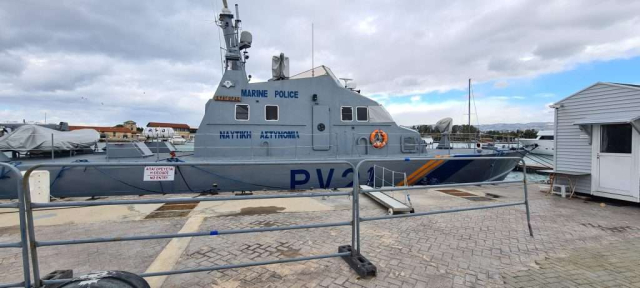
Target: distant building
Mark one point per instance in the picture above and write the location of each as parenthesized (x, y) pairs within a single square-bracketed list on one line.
[(192, 133), (181, 129), (131, 125), (110, 133)]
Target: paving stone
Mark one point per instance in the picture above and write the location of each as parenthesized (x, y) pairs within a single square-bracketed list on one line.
[(577, 244)]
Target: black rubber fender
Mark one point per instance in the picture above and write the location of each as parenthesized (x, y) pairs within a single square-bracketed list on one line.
[(107, 279)]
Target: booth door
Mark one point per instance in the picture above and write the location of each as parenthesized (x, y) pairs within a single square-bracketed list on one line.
[(321, 128), (614, 160)]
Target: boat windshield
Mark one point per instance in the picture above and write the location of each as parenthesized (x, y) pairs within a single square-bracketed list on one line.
[(315, 72)]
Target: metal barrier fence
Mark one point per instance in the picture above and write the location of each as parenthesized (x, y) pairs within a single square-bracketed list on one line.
[(13, 171), (358, 190), (351, 254), (34, 244)]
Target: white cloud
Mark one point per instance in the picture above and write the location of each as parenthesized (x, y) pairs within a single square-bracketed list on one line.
[(501, 84), (367, 26), (489, 111), (416, 98), (160, 60)]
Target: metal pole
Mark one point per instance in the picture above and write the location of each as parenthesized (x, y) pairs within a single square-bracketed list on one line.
[(355, 237), (526, 196), (393, 178), (52, 157), (106, 145), (23, 234), (313, 74), (469, 113), (357, 220), (23, 230), (374, 176), (32, 234)]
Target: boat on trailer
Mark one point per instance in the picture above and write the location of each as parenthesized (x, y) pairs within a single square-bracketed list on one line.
[(272, 135)]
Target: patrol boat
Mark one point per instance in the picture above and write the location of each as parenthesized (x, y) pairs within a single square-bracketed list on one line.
[(305, 117)]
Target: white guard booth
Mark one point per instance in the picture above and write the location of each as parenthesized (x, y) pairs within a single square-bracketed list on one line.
[(598, 140)]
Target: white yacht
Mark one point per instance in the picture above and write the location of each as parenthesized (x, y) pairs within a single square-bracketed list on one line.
[(543, 144)]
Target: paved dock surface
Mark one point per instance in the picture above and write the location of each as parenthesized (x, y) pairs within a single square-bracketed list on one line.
[(577, 243)]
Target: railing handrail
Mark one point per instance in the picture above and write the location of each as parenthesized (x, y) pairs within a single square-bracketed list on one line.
[(34, 244), (23, 229), (356, 190)]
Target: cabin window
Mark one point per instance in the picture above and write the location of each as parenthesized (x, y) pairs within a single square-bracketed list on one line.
[(549, 137), (242, 112), (362, 114), (271, 113), (409, 144), (615, 138), (347, 113)]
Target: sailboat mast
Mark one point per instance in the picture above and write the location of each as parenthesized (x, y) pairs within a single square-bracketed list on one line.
[(469, 112), (469, 109)]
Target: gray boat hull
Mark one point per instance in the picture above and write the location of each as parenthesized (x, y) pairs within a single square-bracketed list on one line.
[(198, 177)]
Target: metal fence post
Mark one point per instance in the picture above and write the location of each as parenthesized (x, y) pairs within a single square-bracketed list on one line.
[(526, 196), (31, 230), (355, 237), (23, 230)]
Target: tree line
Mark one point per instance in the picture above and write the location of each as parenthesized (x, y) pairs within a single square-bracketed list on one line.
[(471, 132)]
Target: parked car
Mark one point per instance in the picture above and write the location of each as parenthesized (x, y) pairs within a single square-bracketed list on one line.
[(177, 140)]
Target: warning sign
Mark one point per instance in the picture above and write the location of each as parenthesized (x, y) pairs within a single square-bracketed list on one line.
[(159, 173)]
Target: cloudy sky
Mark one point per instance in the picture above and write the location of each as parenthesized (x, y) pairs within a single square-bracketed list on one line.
[(104, 62)]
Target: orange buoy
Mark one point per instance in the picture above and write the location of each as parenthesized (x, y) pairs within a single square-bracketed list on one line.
[(378, 138)]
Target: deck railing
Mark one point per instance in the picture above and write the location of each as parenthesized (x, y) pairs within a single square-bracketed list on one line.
[(301, 146)]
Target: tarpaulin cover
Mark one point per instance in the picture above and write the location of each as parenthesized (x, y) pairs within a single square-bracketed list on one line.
[(34, 137)]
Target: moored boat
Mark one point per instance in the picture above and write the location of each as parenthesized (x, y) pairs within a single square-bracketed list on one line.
[(273, 135)]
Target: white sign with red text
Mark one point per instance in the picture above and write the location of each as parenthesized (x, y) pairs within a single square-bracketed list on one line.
[(159, 173)]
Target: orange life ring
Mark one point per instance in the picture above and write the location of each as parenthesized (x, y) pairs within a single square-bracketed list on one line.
[(378, 138)]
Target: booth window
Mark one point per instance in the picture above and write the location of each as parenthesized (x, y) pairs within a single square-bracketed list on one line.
[(347, 113), (242, 112), (362, 114), (271, 113), (615, 138)]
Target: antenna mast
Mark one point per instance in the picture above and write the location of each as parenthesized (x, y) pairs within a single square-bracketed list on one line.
[(313, 73)]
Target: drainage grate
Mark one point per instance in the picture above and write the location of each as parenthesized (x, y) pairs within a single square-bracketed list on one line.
[(172, 210), (179, 206), (465, 195), (478, 198), (456, 192), (616, 229)]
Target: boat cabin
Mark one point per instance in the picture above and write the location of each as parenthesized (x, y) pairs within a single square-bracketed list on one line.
[(308, 115)]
